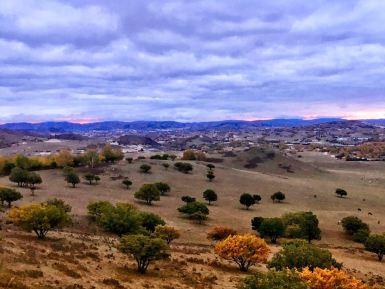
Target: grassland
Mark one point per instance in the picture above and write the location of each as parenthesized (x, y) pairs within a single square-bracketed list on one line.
[(88, 252)]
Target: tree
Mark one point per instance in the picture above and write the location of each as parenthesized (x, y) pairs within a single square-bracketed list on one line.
[(247, 200), (361, 236), (91, 157), (127, 183), (149, 221), (245, 250), (256, 223), (144, 249), (129, 160), (183, 167), (210, 176), (73, 179), (19, 176), (376, 244), (195, 211), (274, 280), (278, 196), (148, 193), (330, 279), (166, 166), (299, 255), (188, 199), (89, 178), (163, 188), (210, 196), (257, 198), (303, 225), (67, 170), (272, 228), (341, 193), (145, 168), (111, 155), (39, 218), (97, 209), (189, 155), (64, 158), (96, 179), (166, 233), (9, 196), (220, 233), (60, 204), (210, 167), (33, 179), (353, 224)]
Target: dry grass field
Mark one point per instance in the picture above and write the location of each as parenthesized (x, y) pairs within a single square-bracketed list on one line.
[(85, 256)]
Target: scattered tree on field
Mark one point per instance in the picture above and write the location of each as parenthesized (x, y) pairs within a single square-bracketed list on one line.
[(376, 244), (145, 168), (247, 200), (272, 228), (144, 249), (195, 211), (188, 199), (9, 196), (183, 167), (163, 188), (73, 179), (148, 193), (210, 176), (127, 183), (278, 197), (166, 233), (341, 193), (257, 198), (150, 221), (210, 196), (245, 250)]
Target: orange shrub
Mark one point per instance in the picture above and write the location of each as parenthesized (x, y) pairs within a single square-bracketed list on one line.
[(331, 279), (245, 250), (220, 232)]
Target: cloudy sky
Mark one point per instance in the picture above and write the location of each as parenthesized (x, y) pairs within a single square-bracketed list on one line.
[(92, 60)]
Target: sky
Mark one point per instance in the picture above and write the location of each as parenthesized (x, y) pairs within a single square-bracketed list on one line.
[(86, 61)]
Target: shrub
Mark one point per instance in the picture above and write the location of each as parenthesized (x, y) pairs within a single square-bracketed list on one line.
[(274, 280), (150, 221), (39, 218), (127, 183), (330, 279), (144, 249), (145, 168), (163, 188), (341, 193), (247, 200), (188, 199), (220, 233), (195, 211), (73, 179), (299, 255), (166, 233), (353, 224), (148, 193), (303, 225), (97, 209), (245, 250), (9, 196), (272, 228), (210, 196), (376, 244), (278, 197), (183, 167)]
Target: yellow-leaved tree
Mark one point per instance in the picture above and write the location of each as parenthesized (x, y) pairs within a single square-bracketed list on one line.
[(330, 279), (245, 250)]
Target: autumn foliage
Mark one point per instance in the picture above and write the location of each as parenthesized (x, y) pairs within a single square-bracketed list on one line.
[(330, 279), (245, 250)]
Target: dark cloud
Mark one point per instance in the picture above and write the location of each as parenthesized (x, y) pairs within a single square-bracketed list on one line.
[(191, 60)]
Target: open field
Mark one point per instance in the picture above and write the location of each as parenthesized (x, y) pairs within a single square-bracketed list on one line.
[(313, 175)]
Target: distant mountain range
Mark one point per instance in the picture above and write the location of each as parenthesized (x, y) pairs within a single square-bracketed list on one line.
[(69, 127)]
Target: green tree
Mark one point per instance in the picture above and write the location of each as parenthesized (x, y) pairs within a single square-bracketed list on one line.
[(376, 244), (278, 197), (183, 167), (303, 225), (188, 199), (59, 203), (247, 200), (256, 222), (272, 228), (210, 176), (148, 193), (257, 198), (210, 167), (210, 196), (91, 158), (195, 211), (111, 155), (166, 166), (9, 196), (144, 250), (299, 255), (274, 280), (353, 224), (127, 183), (33, 179), (97, 209), (145, 168), (19, 176), (166, 233), (341, 193), (150, 221), (163, 188), (73, 179), (90, 177)]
